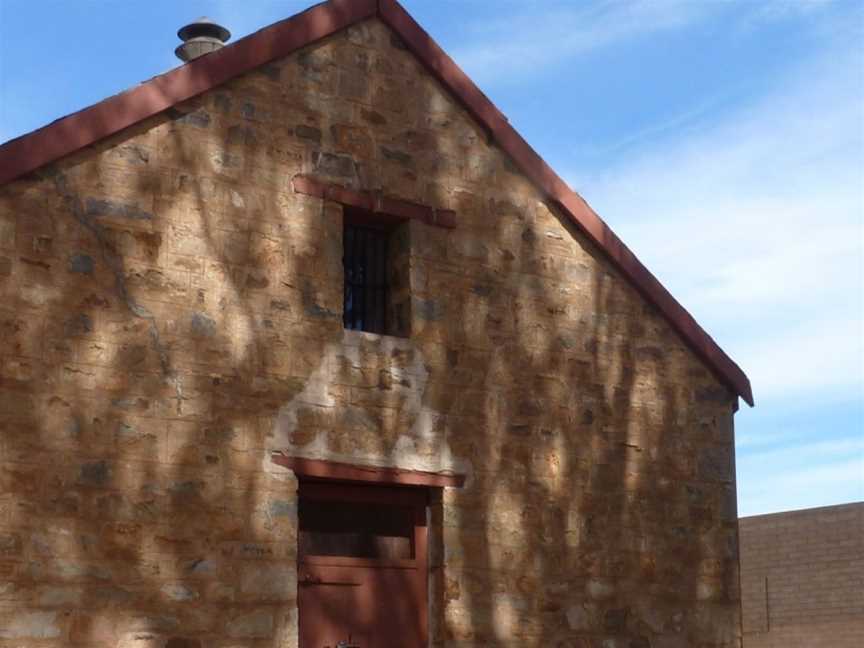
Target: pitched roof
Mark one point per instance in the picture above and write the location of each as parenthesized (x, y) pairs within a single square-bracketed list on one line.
[(68, 134)]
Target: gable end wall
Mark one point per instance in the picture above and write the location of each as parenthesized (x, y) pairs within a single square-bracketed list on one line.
[(171, 316)]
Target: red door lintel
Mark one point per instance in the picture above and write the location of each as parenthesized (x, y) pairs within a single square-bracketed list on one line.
[(383, 475)]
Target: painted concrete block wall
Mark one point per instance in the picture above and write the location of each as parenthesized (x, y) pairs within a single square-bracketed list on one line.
[(802, 578), (171, 316)]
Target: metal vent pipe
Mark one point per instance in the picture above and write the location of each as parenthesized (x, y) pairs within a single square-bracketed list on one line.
[(199, 38)]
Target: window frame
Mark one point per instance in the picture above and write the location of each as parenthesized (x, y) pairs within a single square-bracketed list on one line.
[(375, 251)]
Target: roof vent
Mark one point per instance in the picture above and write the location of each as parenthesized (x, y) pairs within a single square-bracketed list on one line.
[(199, 38)]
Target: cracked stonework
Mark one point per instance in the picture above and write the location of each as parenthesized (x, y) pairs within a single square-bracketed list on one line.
[(114, 263)]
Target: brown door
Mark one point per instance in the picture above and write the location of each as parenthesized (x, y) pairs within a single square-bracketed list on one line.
[(362, 566)]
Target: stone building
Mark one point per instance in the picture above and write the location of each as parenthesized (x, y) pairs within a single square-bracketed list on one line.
[(302, 343), (802, 578)]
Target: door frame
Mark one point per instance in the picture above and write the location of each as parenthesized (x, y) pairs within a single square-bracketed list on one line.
[(400, 483), (415, 570)]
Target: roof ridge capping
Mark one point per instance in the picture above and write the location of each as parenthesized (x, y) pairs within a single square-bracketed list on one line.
[(73, 132)]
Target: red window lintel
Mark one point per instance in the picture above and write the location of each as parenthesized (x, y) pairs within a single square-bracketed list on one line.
[(374, 202)]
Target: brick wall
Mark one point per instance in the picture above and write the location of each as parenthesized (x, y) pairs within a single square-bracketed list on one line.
[(802, 578), (170, 316)]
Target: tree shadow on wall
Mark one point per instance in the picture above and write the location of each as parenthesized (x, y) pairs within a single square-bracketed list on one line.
[(170, 295)]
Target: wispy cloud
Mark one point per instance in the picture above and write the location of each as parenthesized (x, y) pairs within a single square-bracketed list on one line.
[(563, 31), (809, 474), (498, 53), (776, 10), (677, 124), (755, 224)]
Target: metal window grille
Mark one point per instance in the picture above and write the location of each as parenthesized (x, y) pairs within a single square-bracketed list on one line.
[(365, 263)]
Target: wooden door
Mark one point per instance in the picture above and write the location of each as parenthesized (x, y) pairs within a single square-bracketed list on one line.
[(362, 566)]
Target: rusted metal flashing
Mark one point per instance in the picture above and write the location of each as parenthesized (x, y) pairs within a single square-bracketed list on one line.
[(81, 129), (321, 469), (374, 202)]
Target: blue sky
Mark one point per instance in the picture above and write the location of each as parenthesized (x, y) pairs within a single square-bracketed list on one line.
[(722, 140)]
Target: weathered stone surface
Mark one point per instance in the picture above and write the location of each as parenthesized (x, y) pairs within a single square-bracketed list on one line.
[(10, 544), (95, 473), (308, 132), (27, 624), (715, 464), (81, 263), (197, 118), (179, 592), (171, 315), (330, 164), (203, 325), (268, 582), (258, 624), (64, 596), (96, 207)]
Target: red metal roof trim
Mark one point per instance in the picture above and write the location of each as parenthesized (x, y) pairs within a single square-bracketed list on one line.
[(71, 133)]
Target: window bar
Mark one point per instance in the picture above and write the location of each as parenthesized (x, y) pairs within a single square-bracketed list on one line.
[(382, 284), (370, 280), (374, 260), (360, 279), (365, 275), (369, 285), (348, 272)]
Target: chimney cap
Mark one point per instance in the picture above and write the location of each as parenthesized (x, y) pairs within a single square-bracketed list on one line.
[(203, 27), (200, 37)]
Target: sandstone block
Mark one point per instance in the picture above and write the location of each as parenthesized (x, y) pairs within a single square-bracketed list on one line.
[(257, 624), (269, 582), (26, 624)]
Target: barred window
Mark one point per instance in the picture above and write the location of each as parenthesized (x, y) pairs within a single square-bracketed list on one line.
[(365, 263), (375, 261)]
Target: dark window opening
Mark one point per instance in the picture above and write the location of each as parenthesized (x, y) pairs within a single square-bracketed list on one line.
[(365, 263), (356, 529), (375, 265)]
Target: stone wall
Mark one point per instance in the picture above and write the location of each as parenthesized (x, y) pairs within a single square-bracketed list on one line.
[(802, 578), (171, 315)]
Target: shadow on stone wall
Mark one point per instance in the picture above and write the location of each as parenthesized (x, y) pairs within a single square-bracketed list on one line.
[(167, 297)]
